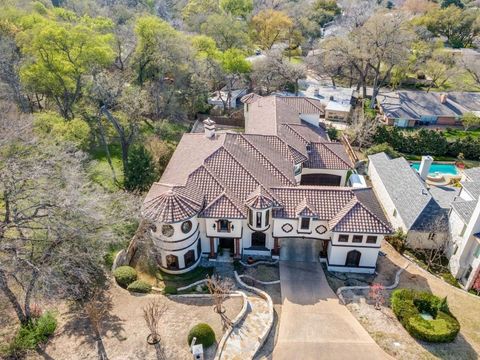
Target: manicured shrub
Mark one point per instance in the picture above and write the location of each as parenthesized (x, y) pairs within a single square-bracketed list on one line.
[(139, 286), (125, 275), (204, 334), (170, 290), (408, 304), (29, 336)]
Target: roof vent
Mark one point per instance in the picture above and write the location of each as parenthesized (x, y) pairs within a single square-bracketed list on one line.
[(443, 98)]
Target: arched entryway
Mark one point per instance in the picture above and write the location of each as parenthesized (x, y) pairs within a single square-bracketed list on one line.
[(259, 239), (353, 258)]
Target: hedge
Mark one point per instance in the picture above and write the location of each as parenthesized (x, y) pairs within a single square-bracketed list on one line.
[(408, 304), (426, 141), (125, 275), (204, 334), (170, 289), (139, 286)]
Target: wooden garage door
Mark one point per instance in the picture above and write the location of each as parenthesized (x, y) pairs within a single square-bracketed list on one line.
[(320, 179)]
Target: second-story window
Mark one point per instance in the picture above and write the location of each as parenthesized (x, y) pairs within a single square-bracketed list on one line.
[(259, 219), (223, 225), (305, 223), (267, 218)]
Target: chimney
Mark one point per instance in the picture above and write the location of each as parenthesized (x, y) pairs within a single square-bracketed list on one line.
[(443, 98), (425, 166), (332, 98), (316, 92), (209, 126)]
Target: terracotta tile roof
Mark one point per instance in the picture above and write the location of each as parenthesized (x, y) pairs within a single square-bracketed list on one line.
[(304, 209), (171, 206), (224, 205), (259, 199), (355, 217), (326, 156), (304, 105), (250, 98)]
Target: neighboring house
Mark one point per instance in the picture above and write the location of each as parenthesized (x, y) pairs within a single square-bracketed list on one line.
[(337, 111), (465, 230), (220, 98), (408, 203), (411, 108), (241, 193)]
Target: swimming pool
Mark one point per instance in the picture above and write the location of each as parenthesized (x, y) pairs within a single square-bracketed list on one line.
[(439, 169)]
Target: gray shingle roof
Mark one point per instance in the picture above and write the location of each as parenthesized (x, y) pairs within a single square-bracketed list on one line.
[(472, 174), (472, 187), (415, 104), (464, 209), (407, 191)]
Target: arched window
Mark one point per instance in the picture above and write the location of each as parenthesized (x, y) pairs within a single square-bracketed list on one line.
[(172, 262), (189, 258), (353, 258)]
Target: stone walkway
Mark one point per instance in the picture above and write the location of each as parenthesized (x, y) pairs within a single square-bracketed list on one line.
[(243, 342)]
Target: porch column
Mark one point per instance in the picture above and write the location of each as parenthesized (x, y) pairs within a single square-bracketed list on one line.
[(276, 247), (212, 247), (237, 248)]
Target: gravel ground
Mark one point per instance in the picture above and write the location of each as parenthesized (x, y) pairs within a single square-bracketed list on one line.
[(125, 332), (389, 333)]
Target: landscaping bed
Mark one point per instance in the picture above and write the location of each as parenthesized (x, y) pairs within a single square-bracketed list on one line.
[(424, 315), (124, 331)]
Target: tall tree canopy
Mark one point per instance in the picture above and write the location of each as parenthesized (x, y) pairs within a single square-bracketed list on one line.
[(270, 26), (60, 54)]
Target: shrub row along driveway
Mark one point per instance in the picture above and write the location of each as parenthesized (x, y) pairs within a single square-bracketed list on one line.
[(314, 325)]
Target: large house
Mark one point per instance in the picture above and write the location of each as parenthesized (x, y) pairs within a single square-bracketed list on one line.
[(411, 108), (465, 230), (247, 194)]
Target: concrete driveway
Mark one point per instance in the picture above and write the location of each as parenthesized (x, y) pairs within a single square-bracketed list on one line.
[(313, 323)]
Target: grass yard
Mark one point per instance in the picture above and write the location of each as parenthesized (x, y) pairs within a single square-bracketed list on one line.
[(100, 170), (453, 134)]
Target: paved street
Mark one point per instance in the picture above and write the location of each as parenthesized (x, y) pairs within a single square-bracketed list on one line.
[(313, 323)]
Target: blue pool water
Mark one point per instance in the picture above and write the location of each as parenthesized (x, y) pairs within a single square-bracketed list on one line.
[(437, 168)]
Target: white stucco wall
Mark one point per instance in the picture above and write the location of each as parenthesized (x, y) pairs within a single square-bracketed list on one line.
[(312, 119), (311, 233), (420, 240)]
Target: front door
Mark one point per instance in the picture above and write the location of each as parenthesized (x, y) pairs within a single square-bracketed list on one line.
[(353, 258), (227, 243), (258, 239)]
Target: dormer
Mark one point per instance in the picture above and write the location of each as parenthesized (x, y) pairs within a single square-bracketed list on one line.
[(259, 205), (305, 213)]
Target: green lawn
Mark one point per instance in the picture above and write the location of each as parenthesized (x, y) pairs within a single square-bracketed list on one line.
[(100, 171), (453, 134), (188, 278)]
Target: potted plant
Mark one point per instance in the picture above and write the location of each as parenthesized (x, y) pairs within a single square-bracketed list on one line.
[(250, 260)]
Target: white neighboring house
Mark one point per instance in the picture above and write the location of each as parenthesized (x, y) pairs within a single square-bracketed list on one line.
[(407, 201), (245, 194), (465, 230), (220, 98)]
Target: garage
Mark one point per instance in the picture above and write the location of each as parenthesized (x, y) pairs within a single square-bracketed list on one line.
[(300, 249), (321, 179)]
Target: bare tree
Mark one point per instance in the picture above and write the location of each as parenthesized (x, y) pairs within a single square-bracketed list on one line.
[(471, 63), (152, 313), (220, 288), (363, 127), (97, 308)]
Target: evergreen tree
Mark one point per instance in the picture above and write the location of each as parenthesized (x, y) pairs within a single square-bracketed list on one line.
[(141, 171)]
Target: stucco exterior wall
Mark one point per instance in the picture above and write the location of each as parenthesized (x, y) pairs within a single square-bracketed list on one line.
[(420, 240), (312, 119), (296, 232)]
